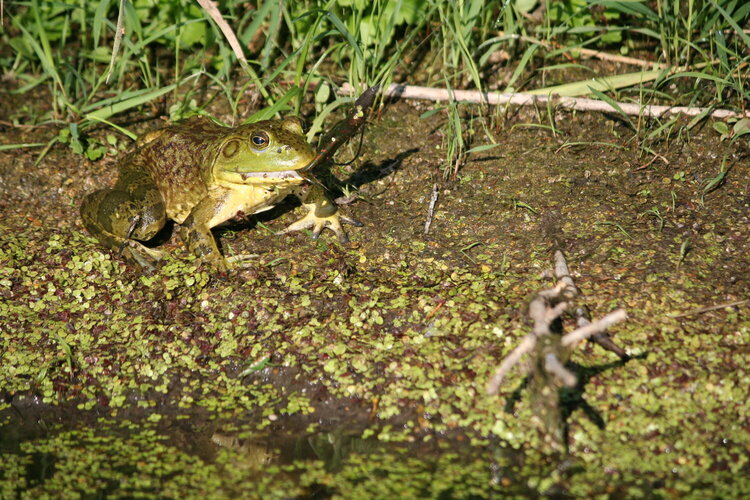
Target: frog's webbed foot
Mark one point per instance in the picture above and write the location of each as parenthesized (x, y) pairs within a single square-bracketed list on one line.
[(318, 223), (145, 257)]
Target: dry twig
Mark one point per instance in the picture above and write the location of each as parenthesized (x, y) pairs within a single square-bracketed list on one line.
[(604, 56), (431, 208), (519, 99), (549, 352), (119, 33), (213, 11), (526, 345), (711, 308), (590, 329), (544, 309)]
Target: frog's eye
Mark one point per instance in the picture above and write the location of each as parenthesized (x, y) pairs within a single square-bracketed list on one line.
[(260, 140)]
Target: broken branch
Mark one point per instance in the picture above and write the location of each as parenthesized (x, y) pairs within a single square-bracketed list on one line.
[(544, 309), (593, 328), (520, 99)]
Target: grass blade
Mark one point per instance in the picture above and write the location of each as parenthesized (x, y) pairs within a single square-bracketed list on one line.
[(47, 65), (521, 67), (345, 32), (118, 107), (585, 87), (100, 17), (615, 106), (8, 147), (270, 112), (737, 29), (120, 129), (119, 32)]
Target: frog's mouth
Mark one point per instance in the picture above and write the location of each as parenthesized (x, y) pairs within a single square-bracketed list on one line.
[(281, 175), (271, 177), (262, 178)]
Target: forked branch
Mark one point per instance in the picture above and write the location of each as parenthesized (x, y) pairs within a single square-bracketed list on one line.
[(544, 310)]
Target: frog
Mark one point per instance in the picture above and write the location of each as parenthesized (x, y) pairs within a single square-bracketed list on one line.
[(200, 174)]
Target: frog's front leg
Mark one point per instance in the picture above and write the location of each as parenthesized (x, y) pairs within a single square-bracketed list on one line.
[(196, 233), (322, 213)]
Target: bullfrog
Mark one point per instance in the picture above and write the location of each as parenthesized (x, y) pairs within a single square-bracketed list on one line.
[(200, 174)]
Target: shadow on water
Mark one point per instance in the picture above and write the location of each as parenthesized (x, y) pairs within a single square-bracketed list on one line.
[(371, 172), (47, 437), (571, 399)]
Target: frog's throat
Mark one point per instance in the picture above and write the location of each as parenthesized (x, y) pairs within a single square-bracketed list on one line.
[(280, 177)]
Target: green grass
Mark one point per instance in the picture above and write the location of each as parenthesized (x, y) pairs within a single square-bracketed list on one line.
[(173, 50)]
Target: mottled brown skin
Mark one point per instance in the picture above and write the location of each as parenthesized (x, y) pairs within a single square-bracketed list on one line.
[(199, 175)]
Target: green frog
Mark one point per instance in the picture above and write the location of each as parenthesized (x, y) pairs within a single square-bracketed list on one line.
[(200, 174)]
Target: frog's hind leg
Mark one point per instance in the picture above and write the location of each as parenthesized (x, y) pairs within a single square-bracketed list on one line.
[(118, 218)]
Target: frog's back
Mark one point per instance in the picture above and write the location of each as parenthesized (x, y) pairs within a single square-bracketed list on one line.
[(178, 158)]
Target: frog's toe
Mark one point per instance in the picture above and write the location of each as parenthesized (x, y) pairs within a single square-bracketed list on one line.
[(145, 257), (305, 223), (343, 237), (349, 220), (335, 225), (319, 223), (333, 222)]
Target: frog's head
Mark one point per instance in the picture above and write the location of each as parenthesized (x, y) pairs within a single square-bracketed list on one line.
[(266, 152)]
